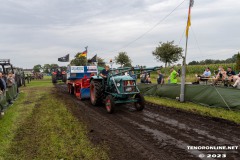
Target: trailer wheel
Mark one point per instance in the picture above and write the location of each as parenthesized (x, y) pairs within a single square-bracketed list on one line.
[(96, 92), (77, 94), (109, 103), (71, 89), (141, 102)]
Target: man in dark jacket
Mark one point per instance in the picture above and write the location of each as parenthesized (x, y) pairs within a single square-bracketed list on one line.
[(105, 72), (230, 74), (160, 79)]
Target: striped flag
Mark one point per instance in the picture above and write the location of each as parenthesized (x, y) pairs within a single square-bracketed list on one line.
[(84, 53)]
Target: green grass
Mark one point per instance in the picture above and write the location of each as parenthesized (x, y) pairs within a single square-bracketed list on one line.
[(198, 109), (45, 82), (13, 118), (39, 126), (9, 123)]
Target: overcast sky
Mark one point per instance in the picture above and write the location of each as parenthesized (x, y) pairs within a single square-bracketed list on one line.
[(40, 31)]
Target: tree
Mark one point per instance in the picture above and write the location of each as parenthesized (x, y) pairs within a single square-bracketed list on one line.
[(53, 66), (218, 61), (37, 68), (79, 60), (168, 53), (101, 62), (238, 62), (229, 60), (127, 65), (122, 58), (209, 61), (46, 68), (193, 63)]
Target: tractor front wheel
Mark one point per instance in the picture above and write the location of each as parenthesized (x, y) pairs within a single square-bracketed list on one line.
[(96, 92), (109, 103), (140, 104)]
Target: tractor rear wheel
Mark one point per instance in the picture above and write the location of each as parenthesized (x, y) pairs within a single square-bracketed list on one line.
[(96, 92), (141, 102), (64, 78), (54, 79), (109, 103)]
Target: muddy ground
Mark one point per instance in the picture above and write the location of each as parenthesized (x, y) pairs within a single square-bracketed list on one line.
[(157, 132)]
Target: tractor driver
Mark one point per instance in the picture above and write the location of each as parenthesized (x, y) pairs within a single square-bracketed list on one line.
[(105, 72)]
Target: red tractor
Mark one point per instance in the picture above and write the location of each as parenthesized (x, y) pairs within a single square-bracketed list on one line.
[(59, 74), (78, 80)]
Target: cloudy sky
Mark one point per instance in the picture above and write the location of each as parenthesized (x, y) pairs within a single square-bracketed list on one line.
[(40, 31)]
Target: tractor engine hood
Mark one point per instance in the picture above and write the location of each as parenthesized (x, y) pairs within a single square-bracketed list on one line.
[(121, 78)]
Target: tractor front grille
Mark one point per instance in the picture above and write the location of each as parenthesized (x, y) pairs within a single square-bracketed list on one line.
[(129, 86)]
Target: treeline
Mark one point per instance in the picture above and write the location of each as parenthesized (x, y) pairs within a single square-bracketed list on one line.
[(46, 68), (233, 59)]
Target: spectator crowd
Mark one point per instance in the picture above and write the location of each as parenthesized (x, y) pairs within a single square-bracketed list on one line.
[(226, 77), (6, 81)]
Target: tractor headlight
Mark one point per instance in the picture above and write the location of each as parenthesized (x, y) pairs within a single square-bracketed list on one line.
[(118, 85)]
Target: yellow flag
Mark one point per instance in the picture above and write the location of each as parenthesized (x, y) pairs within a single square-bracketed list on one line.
[(189, 17), (188, 24), (83, 54)]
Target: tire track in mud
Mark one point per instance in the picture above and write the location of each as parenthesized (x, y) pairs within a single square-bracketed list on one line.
[(157, 132), (204, 126)]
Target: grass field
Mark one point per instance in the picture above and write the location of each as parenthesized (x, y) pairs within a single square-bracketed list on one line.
[(38, 126)]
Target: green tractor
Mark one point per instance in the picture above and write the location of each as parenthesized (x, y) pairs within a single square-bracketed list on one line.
[(19, 76), (28, 76), (118, 88)]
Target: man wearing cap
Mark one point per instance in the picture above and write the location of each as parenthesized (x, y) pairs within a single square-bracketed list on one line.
[(105, 72)]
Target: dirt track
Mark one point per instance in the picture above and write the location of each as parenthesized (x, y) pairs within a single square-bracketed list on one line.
[(156, 133)]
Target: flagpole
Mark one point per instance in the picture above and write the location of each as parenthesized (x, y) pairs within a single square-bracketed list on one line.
[(183, 78), (86, 55)]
